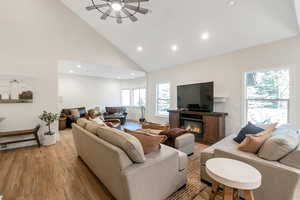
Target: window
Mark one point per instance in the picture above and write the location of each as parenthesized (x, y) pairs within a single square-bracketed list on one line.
[(139, 97), (267, 96), (162, 98), (125, 97)]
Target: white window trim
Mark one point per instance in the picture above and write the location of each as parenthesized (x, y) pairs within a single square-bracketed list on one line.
[(244, 96), (129, 97), (132, 96), (156, 98)]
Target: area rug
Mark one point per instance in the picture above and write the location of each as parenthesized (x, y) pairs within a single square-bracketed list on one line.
[(195, 189)]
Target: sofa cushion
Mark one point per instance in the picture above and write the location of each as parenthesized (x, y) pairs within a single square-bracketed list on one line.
[(128, 143), (252, 143), (279, 145), (92, 127), (183, 161), (247, 130), (82, 122), (150, 142), (292, 159), (227, 142)]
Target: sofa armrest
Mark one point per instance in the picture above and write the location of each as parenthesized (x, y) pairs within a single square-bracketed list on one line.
[(276, 177), (140, 177)]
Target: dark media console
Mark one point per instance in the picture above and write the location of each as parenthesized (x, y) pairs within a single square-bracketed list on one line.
[(208, 127)]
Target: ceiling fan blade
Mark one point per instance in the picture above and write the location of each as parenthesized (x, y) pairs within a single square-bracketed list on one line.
[(131, 17), (119, 18), (134, 1), (96, 6), (106, 14), (137, 9)]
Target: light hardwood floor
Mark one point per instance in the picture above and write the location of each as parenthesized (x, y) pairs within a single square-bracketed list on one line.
[(48, 173), (51, 173)]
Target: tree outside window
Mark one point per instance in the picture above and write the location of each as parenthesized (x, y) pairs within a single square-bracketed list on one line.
[(162, 98), (268, 96)]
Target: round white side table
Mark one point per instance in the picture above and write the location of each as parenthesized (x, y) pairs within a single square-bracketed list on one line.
[(234, 175)]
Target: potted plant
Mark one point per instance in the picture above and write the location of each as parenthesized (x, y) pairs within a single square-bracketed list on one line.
[(142, 119), (49, 118)]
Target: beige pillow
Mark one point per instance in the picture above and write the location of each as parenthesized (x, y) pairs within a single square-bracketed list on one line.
[(128, 143), (279, 146), (252, 143), (98, 121), (150, 142), (92, 127), (82, 122)]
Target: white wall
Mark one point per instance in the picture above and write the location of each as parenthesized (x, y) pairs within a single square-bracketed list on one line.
[(35, 34), (84, 91), (227, 71), (134, 113)]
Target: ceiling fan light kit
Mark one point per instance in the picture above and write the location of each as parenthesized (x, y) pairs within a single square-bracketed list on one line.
[(118, 9)]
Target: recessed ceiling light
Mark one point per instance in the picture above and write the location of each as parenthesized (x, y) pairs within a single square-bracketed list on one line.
[(132, 74), (205, 36), (139, 48), (71, 71), (231, 2), (78, 66), (174, 47), (116, 6), (118, 77)]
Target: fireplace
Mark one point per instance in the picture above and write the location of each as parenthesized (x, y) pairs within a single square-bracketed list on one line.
[(195, 127)]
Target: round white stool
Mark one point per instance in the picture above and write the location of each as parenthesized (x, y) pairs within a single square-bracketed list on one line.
[(234, 175)]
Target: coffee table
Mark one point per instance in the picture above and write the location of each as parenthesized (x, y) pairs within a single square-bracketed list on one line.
[(234, 176)]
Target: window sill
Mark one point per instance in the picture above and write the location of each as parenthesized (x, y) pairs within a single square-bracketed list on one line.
[(161, 116)]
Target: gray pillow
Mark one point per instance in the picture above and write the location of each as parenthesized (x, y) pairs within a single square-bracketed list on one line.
[(292, 159), (279, 145)]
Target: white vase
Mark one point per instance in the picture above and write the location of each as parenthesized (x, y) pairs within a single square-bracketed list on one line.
[(49, 140)]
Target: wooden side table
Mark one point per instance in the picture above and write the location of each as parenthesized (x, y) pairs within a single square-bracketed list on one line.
[(235, 176), (62, 123)]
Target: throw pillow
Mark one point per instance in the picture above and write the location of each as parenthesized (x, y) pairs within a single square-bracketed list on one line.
[(279, 146), (252, 143), (249, 129), (149, 142), (92, 127), (293, 158), (82, 122), (75, 113), (98, 121), (173, 132), (128, 143)]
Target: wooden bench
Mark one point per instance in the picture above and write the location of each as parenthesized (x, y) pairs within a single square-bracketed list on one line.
[(33, 132)]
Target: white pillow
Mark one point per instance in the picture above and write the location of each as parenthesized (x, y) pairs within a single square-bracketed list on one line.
[(98, 121)]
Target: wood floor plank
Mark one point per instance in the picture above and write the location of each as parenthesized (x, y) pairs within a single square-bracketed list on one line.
[(48, 173)]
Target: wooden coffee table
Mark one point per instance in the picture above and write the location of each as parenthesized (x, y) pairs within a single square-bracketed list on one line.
[(234, 175)]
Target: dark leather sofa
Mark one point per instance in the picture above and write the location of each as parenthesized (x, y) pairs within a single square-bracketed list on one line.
[(116, 113), (70, 118)]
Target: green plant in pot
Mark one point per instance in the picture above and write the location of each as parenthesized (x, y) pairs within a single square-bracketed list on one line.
[(49, 118)]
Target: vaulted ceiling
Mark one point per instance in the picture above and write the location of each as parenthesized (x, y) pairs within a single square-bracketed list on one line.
[(245, 24)]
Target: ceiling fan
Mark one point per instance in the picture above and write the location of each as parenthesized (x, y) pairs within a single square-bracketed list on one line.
[(118, 9)]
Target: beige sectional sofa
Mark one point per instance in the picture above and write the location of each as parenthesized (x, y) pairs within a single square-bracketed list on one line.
[(279, 182), (163, 172)]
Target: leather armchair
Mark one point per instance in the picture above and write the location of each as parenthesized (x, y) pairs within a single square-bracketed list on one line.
[(113, 123), (116, 113), (70, 118)]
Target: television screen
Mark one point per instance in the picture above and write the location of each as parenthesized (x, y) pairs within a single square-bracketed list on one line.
[(196, 97)]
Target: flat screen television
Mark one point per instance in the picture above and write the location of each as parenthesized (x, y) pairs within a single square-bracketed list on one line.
[(196, 97)]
